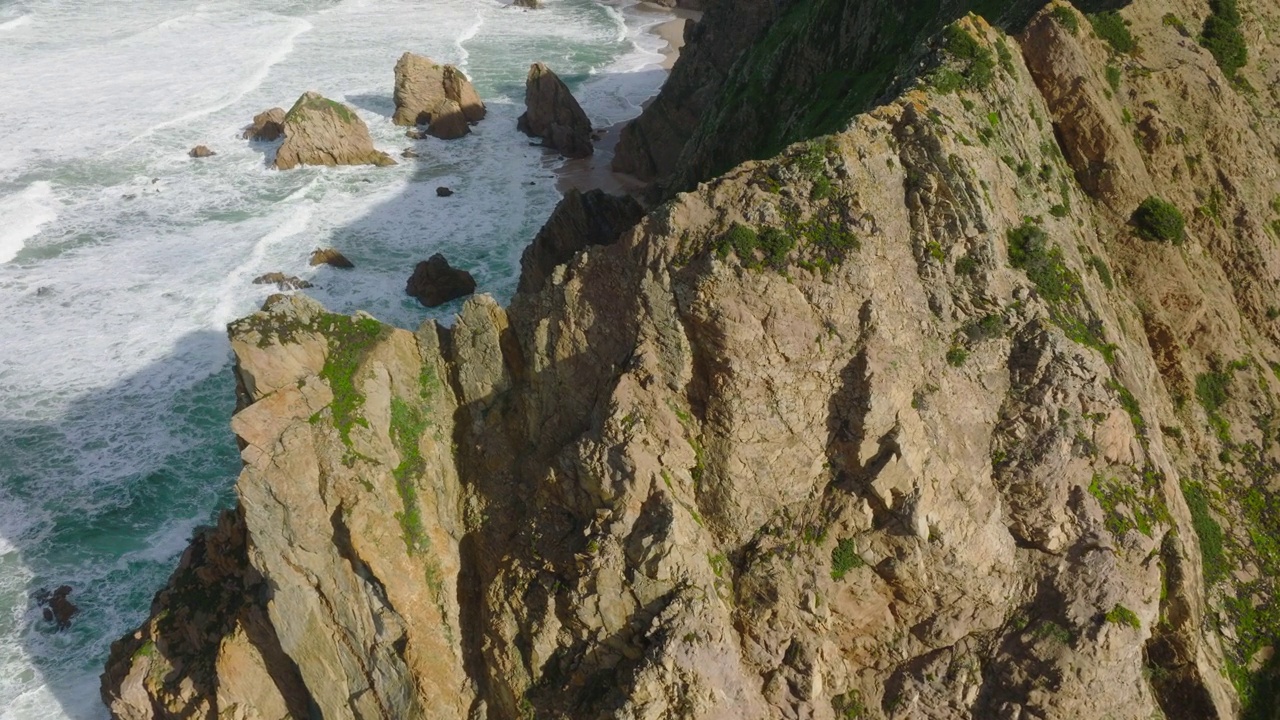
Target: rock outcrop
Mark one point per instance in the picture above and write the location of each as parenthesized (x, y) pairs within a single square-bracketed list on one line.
[(267, 125), (553, 114), (201, 151), (282, 281), (320, 131), (580, 220), (438, 96), (57, 609), (905, 421), (330, 257), (434, 282)]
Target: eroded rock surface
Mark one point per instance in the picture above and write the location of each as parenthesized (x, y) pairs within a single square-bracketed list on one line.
[(320, 131), (553, 114), (435, 95), (267, 125)]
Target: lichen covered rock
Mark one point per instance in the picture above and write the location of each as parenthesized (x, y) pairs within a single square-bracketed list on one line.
[(320, 131)]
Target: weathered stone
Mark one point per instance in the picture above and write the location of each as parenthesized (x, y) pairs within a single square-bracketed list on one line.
[(267, 125), (282, 281), (201, 151), (579, 220), (435, 283), (319, 131), (554, 115), (331, 257), (443, 192), (438, 96)]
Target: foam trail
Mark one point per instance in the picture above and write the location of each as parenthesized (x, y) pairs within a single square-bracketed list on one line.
[(22, 216), (227, 309), (286, 46), (466, 36), (619, 22), (15, 23)]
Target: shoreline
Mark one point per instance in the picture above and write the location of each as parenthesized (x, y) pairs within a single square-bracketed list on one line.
[(596, 172)]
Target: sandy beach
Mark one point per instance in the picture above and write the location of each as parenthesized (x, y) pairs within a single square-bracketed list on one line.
[(595, 172)]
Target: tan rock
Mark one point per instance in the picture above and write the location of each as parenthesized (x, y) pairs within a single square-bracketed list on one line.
[(438, 96), (267, 125), (330, 257), (319, 131), (553, 114)]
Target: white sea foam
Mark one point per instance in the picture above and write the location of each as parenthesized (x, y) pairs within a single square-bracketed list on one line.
[(471, 31), (15, 23), (22, 216)]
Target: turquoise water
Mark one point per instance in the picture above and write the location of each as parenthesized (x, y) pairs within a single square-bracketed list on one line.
[(122, 260)]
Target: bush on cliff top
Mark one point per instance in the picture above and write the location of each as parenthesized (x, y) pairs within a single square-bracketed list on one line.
[(1221, 36)]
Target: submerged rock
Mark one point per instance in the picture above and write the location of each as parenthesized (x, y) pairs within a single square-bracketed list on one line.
[(331, 257), (434, 282), (267, 125), (282, 281), (57, 608), (201, 151), (554, 115), (528, 4), (438, 96), (320, 131), (443, 192)]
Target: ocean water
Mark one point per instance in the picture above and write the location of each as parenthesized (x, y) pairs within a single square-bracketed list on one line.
[(122, 260)]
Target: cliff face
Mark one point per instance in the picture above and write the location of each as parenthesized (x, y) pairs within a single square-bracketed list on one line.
[(911, 420)]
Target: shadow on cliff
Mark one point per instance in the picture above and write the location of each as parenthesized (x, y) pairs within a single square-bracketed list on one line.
[(104, 499)]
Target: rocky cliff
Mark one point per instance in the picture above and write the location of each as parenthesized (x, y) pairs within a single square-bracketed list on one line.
[(965, 410)]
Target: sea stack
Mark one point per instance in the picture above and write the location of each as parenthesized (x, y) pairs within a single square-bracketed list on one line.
[(438, 96), (553, 114), (320, 131), (267, 125), (434, 282)]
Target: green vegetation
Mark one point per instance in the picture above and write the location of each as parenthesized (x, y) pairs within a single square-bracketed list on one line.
[(1209, 532), (407, 425), (719, 564), (1159, 221), (1099, 266), (957, 356), (1113, 77), (1175, 22), (1121, 615), (844, 557), (971, 66), (988, 327), (967, 265), (1067, 18), (1059, 285), (1053, 631), (349, 338), (849, 706), (1129, 508), (1221, 36), (1114, 30)]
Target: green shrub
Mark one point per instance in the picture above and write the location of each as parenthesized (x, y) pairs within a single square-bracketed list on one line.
[(1208, 531), (976, 63), (1160, 221), (1066, 17), (1221, 36), (987, 327), (1122, 615), (1112, 28), (741, 239), (844, 557), (1113, 77), (1175, 22), (956, 356), (1104, 273), (849, 706), (966, 265)]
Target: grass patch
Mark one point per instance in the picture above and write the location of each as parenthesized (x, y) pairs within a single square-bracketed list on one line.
[(1129, 505), (971, 66), (1212, 539), (1121, 615), (1114, 30), (844, 557), (349, 339), (1099, 266), (1113, 77), (1066, 17), (957, 356)]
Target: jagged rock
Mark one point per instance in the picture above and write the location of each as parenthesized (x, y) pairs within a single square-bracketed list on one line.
[(409, 153), (285, 282), (434, 282), (331, 257), (443, 192), (319, 131), (57, 608), (201, 151), (438, 96), (554, 115), (529, 4), (267, 125), (579, 220)]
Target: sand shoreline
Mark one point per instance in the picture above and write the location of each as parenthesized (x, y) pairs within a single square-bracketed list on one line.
[(596, 172)]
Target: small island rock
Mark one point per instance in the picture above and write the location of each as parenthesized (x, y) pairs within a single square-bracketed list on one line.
[(331, 257), (438, 96), (443, 192), (267, 125), (320, 131), (434, 282), (201, 151), (282, 281), (554, 115)]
